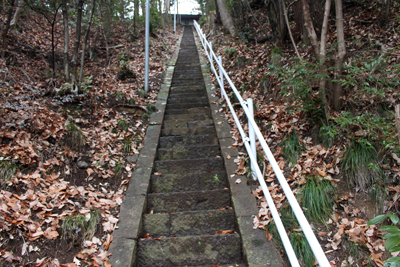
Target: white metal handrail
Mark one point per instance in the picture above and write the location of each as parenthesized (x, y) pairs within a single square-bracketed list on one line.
[(249, 143)]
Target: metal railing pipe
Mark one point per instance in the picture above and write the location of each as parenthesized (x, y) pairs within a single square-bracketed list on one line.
[(311, 238)]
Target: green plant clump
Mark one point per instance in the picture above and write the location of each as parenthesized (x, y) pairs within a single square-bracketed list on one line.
[(75, 138), (316, 196), (291, 148), (392, 237), (302, 249), (76, 228), (123, 125), (361, 164), (7, 171)]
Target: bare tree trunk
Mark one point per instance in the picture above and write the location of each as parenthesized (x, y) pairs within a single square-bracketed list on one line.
[(20, 9), (341, 53), (66, 40), (7, 27), (387, 11), (290, 32), (76, 47), (85, 42), (322, 53), (310, 27), (218, 17), (136, 14), (226, 18), (166, 6)]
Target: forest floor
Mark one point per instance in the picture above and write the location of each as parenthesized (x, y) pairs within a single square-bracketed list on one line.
[(271, 77), (66, 160)]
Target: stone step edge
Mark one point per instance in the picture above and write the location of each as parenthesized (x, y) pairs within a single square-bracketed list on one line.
[(124, 245)]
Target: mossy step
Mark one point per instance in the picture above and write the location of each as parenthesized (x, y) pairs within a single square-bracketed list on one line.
[(188, 82), (189, 223), (188, 75), (188, 87), (185, 94), (187, 130), (186, 105), (194, 67), (190, 250), (205, 110), (189, 152), (187, 140), (189, 165), (171, 124), (192, 99), (188, 117), (196, 181), (188, 201)]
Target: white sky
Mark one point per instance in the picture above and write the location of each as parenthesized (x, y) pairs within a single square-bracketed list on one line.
[(186, 7)]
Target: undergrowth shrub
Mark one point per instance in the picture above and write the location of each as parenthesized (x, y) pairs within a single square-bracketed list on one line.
[(361, 164), (291, 148), (297, 79), (75, 138), (316, 196), (7, 171), (78, 228)]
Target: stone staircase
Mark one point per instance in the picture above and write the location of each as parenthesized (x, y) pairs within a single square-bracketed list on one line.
[(189, 219)]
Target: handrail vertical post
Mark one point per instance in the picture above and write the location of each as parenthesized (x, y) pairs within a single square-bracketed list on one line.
[(221, 74), (211, 57), (252, 137)]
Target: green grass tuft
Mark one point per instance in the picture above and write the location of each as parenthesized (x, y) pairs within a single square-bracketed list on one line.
[(302, 249), (76, 229), (123, 125), (75, 138), (316, 196), (291, 148), (7, 171), (361, 164)]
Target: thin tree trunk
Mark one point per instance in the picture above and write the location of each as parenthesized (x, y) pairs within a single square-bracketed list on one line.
[(290, 32), (310, 27), (66, 40), (166, 6), (136, 14), (226, 17), (85, 42), (7, 27), (387, 11), (218, 17), (20, 9), (341, 53), (322, 53), (76, 47)]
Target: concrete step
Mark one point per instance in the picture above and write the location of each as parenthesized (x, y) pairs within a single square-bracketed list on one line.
[(206, 110), (184, 75), (190, 250), (187, 88), (186, 131), (189, 223), (189, 152), (188, 82), (185, 94), (188, 117), (192, 181), (187, 140), (186, 105), (189, 165), (172, 124), (189, 99), (188, 201)]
